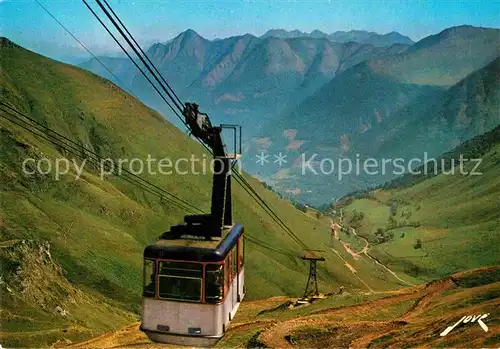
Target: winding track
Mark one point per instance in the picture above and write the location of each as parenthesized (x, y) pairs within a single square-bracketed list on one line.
[(407, 315), (365, 250), (362, 332)]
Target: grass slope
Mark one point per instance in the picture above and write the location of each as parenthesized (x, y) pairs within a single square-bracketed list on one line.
[(455, 216), (96, 229)]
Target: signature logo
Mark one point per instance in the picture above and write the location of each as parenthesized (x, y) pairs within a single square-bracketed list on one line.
[(466, 319)]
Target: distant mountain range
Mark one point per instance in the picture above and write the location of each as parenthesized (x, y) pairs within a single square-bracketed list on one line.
[(242, 78), (438, 93), (359, 36), (302, 92)]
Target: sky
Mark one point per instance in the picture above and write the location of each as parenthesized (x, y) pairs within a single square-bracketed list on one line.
[(27, 24)]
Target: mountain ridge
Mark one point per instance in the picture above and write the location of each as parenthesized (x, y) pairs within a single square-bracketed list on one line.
[(270, 85), (243, 76), (387, 98), (360, 36)]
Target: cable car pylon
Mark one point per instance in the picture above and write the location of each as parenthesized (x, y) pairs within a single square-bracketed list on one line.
[(313, 256)]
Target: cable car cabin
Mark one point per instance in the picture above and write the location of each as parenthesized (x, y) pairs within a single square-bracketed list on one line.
[(194, 274), (192, 288)]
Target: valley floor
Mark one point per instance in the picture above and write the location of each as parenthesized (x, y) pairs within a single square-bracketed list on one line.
[(410, 317)]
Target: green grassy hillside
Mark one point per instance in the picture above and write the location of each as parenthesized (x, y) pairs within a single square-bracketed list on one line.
[(440, 224), (71, 253)]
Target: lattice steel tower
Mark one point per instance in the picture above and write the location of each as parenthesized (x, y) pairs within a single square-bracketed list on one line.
[(312, 281)]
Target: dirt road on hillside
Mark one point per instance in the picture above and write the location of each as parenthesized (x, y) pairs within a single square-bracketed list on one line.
[(275, 336), (335, 227), (409, 317), (356, 327)]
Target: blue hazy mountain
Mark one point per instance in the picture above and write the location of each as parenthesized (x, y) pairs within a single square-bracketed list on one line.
[(242, 79), (359, 36)]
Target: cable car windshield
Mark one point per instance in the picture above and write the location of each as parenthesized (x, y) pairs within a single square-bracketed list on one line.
[(180, 281), (214, 283)]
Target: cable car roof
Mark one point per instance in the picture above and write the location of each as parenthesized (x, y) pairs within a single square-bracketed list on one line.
[(199, 250)]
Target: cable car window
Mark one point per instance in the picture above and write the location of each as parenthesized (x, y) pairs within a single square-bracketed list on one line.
[(149, 278), (227, 273), (241, 254), (234, 263), (180, 281), (214, 283)]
